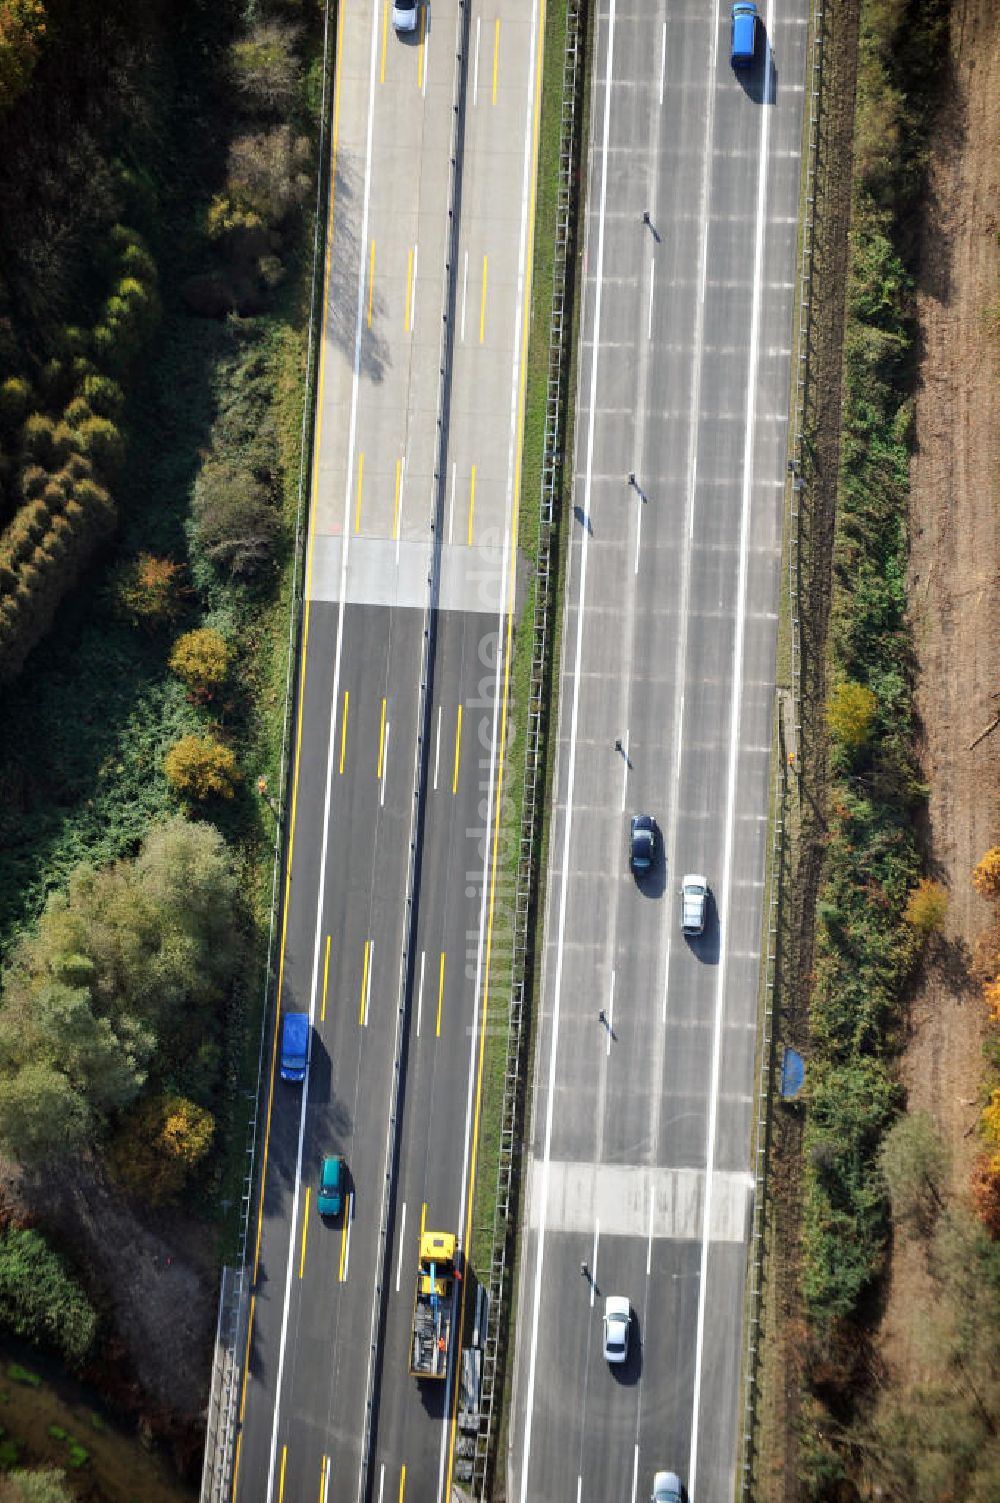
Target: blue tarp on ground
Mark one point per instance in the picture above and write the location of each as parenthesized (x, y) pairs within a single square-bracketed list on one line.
[(793, 1073)]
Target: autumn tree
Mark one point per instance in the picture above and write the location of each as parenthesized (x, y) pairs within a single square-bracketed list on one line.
[(150, 591), (201, 660), (22, 27), (986, 1191), (159, 1144), (200, 767), (986, 875), (991, 995), (850, 714), (926, 908)]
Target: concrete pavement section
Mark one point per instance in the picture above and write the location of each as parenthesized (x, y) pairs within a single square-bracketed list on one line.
[(644, 1064), (383, 977)]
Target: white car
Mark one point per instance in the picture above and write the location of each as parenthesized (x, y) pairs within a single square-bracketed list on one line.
[(666, 1488), (694, 901), (617, 1320), (404, 14)]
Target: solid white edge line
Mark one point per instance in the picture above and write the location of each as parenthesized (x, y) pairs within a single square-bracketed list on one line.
[(402, 1239), (649, 1239), (413, 290), (624, 770), (420, 991), (402, 486), (465, 298), (663, 59), (368, 980), (475, 75), (734, 736), (571, 778), (638, 532), (652, 284), (293, 1221), (635, 1471), (611, 1014), (437, 749), (347, 1239)]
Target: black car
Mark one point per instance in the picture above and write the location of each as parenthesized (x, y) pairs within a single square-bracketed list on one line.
[(642, 844)]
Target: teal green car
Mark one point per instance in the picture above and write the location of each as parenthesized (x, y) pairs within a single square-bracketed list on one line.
[(330, 1197)]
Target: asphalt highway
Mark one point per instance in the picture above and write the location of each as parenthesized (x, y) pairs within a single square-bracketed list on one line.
[(641, 1130), (392, 974)]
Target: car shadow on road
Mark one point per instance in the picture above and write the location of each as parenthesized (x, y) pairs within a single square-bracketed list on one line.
[(707, 945), (760, 81), (652, 884), (629, 1372)]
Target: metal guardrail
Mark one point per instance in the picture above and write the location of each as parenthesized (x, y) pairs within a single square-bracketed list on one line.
[(789, 737), (228, 1356), (491, 1387)]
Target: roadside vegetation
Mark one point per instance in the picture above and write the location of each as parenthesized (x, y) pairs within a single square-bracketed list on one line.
[(871, 1172), (155, 186)]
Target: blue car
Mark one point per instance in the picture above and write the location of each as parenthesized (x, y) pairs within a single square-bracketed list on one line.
[(294, 1046), (743, 37)]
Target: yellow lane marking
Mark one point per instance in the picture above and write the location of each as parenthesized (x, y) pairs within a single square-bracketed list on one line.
[(357, 507), (327, 256), (395, 504), (324, 1476), (501, 764), (343, 1238), (305, 1228), (371, 283), (363, 1010), (385, 33), (326, 978), (440, 994), (402, 1482), (496, 58), (409, 290), (281, 1479), (381, 741), (458, 749), (343, 732), (423, 1218), (420, 50), (472, 501), (482, 307)]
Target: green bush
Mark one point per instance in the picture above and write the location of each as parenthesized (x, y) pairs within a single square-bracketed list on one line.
[(40, 1300), (236, 526)]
